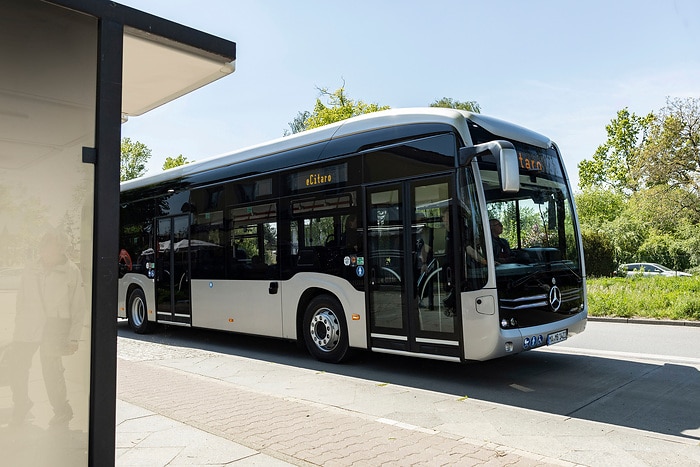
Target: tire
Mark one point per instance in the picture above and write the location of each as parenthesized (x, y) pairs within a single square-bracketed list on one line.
[(137, 312), (325, 329)]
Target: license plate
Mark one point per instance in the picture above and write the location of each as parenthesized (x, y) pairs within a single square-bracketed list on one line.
[(556, 337)]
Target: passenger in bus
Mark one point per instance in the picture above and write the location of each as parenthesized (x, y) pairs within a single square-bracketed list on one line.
[(351, 239), (501, 249), (50, 309)]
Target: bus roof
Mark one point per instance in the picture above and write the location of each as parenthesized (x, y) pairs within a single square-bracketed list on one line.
[(360, 124)]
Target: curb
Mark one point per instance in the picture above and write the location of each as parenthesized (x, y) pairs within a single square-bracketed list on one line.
[(668, 322)]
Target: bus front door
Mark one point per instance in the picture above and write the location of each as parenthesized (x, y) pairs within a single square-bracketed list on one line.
[(412, 302), (172, 283)]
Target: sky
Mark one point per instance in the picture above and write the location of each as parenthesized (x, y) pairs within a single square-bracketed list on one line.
[(561, 68)]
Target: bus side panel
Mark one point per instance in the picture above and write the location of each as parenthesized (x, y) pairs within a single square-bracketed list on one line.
[(480, 326), (352, 300), (121, 298), (148, 288), (245, 306)]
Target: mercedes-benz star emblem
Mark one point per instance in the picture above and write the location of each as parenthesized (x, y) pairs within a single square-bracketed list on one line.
[(555, 298)]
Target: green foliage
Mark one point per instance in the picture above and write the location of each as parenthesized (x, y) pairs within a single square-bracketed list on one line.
[(298, 124), (134, 156), (596, 207), (665, 249), (599, 253), (448, 102), (338, 107), (614, 164), (672, 155), (675, 298), (641, 187), (171, 162)]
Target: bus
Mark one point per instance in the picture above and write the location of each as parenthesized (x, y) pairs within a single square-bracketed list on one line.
[(372, 233)]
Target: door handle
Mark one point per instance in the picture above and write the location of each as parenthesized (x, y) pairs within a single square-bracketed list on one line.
[(274, 287)]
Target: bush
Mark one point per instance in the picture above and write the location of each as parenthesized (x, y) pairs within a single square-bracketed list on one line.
[(675, 298), (598, 253)]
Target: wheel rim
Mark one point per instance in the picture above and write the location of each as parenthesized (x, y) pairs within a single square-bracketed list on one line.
[(138, 312), (325, 329)]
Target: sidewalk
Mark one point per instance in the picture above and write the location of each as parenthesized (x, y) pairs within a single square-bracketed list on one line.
[(186, 406), (146, 438), (167, 417)]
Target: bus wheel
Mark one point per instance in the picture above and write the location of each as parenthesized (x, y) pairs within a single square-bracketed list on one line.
[(137, 312), (325, 330)]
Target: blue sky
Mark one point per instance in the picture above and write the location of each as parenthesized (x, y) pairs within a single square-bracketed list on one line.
[(562, 68)]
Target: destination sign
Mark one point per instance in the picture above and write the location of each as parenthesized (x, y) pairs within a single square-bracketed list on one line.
[(321, 177)]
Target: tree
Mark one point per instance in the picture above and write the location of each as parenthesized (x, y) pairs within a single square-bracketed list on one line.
[(134, 156), (339, 106), (449, 103), (596, 208), (171, 162), (297, 125), (598, 252), (615, 164), (672, 156), (642, 187)]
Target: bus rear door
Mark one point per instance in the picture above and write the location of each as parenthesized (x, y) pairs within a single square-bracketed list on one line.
[(173, 270)]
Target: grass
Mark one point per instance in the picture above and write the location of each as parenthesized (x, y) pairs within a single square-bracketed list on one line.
[(676, 298)]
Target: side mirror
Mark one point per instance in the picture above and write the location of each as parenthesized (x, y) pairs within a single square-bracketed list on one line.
[(503, 152)]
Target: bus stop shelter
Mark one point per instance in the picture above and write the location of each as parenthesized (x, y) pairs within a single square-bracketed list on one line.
[(72, 71)]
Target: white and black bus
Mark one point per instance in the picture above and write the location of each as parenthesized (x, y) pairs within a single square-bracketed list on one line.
[(372, 233)]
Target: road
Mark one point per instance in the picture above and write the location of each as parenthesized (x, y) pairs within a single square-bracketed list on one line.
[(658, 342), (621, 389)]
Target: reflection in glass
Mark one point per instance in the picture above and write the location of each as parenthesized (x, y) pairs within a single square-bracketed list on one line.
[(47, 109)]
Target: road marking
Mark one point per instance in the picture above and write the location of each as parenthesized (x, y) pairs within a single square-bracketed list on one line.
[(406, 426), (521, 388), (620, 355)]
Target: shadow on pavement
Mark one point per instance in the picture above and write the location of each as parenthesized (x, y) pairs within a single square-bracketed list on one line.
[(657, 398)]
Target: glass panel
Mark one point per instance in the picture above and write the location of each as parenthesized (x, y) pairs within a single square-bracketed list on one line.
[(475, 273), (163, 266), (47, 114), (433, 258), (254, 242), (327, 236), (207, 246), (181, 274), (386, 257), (535, 243)]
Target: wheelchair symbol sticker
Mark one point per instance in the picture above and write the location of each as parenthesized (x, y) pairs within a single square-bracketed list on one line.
[(360, 271)]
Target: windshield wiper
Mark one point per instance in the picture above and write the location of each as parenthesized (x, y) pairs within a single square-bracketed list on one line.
[(571, 270), (540, 269)]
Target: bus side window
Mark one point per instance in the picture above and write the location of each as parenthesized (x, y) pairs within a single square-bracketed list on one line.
[(254, 243), (206, 246), (325, 229)]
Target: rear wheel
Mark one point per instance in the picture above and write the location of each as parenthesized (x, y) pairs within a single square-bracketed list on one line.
[(325, 329), (137, 312)]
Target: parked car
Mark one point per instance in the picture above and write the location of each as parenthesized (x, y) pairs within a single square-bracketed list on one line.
[(650, 269)]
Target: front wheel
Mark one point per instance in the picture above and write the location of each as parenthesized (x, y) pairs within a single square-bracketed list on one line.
[(325, 329), (137, 312)]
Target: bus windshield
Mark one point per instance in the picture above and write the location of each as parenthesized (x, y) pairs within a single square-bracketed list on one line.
[(535, 243)]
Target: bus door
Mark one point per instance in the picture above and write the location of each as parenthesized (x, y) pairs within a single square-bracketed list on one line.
[(172, 282), (411, 277)]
